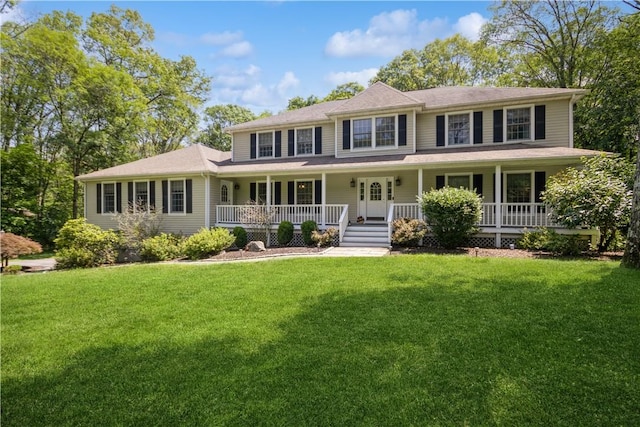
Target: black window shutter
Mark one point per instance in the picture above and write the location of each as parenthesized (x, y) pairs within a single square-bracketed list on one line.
[(119, 197), (477, 127), (98, 198), (278, 143), (189, 196), (497, 126), (318, 147), (165, 196), (541, 184), (291, 192), (253, 146), (130, 192), (252, 191), (402, 129), (439, 131), (439, 182), (346, 134), (318, 191), (477, 183), (540, 112), (152, 194), (277, 198), (291, 151)]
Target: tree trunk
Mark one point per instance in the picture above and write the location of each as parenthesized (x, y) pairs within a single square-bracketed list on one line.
[(631, 256)]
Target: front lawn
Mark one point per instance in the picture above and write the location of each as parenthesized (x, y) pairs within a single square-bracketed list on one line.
[(405, 340)]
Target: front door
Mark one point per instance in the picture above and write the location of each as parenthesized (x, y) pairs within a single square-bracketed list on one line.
[(375, 196), (226, 192)]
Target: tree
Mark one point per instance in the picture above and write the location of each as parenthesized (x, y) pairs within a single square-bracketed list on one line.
[(344, 91), (631, 256), (299, 102), (219, 117), (552, 42), (12, 246), (598, 196), (454, 61)]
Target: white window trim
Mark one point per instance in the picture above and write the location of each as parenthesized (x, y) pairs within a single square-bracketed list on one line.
[(468, 174), (446, 129), (295, 193), (115, 198), (313, 141), (135, 200), (184, 204), (273, 145), (504, 185), (532, 119), (273, 190), (373, 134)]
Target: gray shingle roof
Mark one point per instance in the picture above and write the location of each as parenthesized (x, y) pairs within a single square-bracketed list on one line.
[(191, 160), (378, 96)]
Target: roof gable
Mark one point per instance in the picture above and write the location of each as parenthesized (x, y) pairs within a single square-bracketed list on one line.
[(378, 96)]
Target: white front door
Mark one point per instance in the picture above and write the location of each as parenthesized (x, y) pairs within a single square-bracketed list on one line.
[(226, 192), (374, 196)]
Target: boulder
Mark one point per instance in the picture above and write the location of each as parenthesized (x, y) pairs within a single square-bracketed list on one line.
[(255, 246)]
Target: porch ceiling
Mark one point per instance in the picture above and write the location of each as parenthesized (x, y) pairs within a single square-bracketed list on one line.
[(491, 155)]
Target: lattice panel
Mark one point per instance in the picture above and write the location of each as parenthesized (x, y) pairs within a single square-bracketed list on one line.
[(483, 242)]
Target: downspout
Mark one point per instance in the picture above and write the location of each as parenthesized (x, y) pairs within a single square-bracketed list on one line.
[(571, 103), (207, 198)]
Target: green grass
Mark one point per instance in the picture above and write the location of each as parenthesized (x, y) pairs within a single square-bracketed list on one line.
[(408, 340), (41, 255)]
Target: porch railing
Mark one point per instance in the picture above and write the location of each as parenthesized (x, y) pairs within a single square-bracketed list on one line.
[(513, 214), (297, 214)]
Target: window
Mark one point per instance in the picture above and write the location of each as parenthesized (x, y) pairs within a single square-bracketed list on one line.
[(304, 192), (141, 195), (385, 131), (518, 187), (362, 133), (518, 124), (176, 197), (304, 141), (109, 198), (262, 192), (389, 190), (459, 181), (459, 129), (224, 194), (265, 144), (375, 191), (361, 191)]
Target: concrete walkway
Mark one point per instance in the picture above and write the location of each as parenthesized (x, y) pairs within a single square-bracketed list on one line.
[(348, 252)]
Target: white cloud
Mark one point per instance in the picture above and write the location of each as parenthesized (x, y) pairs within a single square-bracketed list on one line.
[(288, 81), (237, 50), (257, 95), (221, 39), (343, 77), (231, 78), (470, 25), (388, 34)]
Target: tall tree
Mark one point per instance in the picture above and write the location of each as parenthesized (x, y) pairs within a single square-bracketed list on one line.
[(631, 256), (344, 91), (551, 41), (219, 117), (299, 102)]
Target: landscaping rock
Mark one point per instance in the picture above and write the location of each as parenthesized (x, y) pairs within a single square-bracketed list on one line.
[(255, 246)]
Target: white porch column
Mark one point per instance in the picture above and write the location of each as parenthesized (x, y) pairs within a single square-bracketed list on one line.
[(268, 206), (324, 200), (498, 200)]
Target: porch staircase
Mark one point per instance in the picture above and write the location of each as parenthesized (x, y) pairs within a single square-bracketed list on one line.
[(366, 235)]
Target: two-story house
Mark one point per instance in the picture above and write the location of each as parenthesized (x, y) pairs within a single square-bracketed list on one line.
[(357, 164)]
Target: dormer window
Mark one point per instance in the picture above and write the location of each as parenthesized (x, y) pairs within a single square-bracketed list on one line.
[(384, 136), (362, 133)]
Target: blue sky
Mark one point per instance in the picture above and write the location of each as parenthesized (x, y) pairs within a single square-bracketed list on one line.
[(260, 54)]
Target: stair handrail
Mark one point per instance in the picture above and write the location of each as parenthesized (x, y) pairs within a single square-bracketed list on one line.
[(390, 222), (343, 221)]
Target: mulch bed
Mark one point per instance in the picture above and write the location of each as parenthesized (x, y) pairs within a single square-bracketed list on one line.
[(270, 252), (505, 253)]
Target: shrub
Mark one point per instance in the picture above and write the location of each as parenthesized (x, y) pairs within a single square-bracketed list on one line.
[(285, 233), (408, 231), (80, 244), (326, 238), (12, 246), (307, 228), (207, 242), (163, 247), (241, 237), (452, 214), (544, 239), (136, 224)]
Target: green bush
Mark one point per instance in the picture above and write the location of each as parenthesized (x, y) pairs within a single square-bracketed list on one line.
[(241, 237), (408, 231), (326, 238), (163, 247), (544, 239), (307, 228), (80, 244), (207, 242), (453, 215), (285, 233)]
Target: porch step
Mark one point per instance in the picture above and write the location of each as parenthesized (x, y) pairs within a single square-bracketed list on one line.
[(366, 236)]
